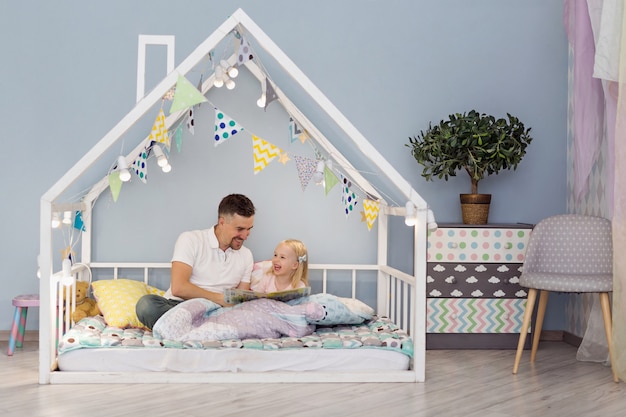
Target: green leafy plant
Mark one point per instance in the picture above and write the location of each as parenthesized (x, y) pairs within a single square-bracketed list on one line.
[(478, 143)]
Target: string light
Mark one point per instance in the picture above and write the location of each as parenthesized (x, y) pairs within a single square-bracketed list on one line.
[(56, 220), (122, 167), (318, 176), (410, 216), (231, 70), (432, 224), (218, 81), (67, 217)]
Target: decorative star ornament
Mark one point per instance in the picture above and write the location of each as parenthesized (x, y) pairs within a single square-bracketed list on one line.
[(283, 158)]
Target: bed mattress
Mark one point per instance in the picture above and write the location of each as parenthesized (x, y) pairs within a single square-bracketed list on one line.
[(377, 345), (231, 360)]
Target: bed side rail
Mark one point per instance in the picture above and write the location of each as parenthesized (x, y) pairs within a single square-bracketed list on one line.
[(395, 289)]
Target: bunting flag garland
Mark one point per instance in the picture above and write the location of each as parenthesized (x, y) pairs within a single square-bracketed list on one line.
[(178, 138), (270, 94), (190, 121), (370, 212), (186, 95), (264, 152), (306, 168), (140, 166), (330, 180), (225, 127), (115, 184), (348, 198), (244, 53), (296, 132), (159, 132)]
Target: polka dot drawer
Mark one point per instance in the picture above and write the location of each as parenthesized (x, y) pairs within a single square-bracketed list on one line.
[(479, 244), (474, 299)]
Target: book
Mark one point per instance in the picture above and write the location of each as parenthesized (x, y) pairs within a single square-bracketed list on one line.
[(236, 296)]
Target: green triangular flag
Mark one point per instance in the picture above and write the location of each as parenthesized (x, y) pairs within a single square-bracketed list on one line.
[(330, 180), (115, 184), (186, 95)]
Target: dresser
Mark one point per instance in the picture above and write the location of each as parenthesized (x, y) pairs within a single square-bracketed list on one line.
[(474, 300)]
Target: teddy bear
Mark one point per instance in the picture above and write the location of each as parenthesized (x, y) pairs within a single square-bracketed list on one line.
[(85, 306)]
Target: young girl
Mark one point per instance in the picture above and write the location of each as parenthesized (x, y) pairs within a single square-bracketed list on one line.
[(288, 269)]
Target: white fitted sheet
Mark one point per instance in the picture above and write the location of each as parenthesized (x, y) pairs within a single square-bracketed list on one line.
[(231, 360)]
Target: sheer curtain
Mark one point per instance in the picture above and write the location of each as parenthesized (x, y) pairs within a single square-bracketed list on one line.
[(619, 206), (598, 39)]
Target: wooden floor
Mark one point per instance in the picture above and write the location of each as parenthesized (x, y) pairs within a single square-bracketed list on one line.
[(458, 383)]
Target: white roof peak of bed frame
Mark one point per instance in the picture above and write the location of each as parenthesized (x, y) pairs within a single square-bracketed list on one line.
[(239, 18)]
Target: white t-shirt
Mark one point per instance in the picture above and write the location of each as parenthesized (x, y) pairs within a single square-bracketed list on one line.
[(212, 269)]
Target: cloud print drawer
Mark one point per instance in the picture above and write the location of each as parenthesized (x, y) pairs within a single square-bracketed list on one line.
[(481, 280)]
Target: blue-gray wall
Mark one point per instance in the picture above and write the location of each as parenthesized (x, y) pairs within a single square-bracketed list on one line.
[(69, 75)]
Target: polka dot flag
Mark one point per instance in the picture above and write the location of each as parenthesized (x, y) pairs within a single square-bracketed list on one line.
[(244, 53), (140, 166), (225, 127), (348, 197), (306, 168)]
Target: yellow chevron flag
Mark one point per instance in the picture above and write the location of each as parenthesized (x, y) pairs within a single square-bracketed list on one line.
[(264, 152), (370, 213), (159, 132)]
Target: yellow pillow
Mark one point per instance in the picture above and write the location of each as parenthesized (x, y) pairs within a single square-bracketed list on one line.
[(117, 299)]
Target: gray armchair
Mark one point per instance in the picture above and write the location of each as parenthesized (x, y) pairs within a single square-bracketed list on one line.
[(567, 253)]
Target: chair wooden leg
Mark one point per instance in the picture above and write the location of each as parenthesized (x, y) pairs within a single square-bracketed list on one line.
[(528, 313), (608, 328), (14, 331), (541, 313)]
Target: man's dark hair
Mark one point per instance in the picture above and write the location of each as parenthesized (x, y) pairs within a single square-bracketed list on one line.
[(236, 204)]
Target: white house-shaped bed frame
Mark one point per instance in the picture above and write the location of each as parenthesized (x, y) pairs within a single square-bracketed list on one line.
[(238, 20)]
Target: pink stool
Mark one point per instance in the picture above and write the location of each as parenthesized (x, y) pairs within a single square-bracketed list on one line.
[(21, 303)]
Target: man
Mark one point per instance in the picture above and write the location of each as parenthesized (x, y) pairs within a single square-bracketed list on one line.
[(206, 262)]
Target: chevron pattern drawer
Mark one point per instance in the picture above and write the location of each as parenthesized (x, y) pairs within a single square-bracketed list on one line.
[(474, 299), (466, 315)]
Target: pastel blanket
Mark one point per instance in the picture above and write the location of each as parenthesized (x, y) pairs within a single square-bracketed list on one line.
[(201, 319)]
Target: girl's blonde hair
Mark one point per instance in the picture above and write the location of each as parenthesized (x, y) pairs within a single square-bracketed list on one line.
[(302, 272)]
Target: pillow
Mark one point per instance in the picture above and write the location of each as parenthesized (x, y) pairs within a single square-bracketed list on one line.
[(117, 299), (358, 307), (335, 311)]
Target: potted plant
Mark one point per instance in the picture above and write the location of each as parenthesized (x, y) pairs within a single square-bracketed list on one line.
[(478, 143)]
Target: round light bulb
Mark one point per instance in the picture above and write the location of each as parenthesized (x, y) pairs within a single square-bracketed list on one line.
[(56, 221), (122, 167), (124, 175), (166, 168), (161, 161), (318, 177), (261, 101), (410, 217), (219, 77), (233, 72), (230, 84)]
